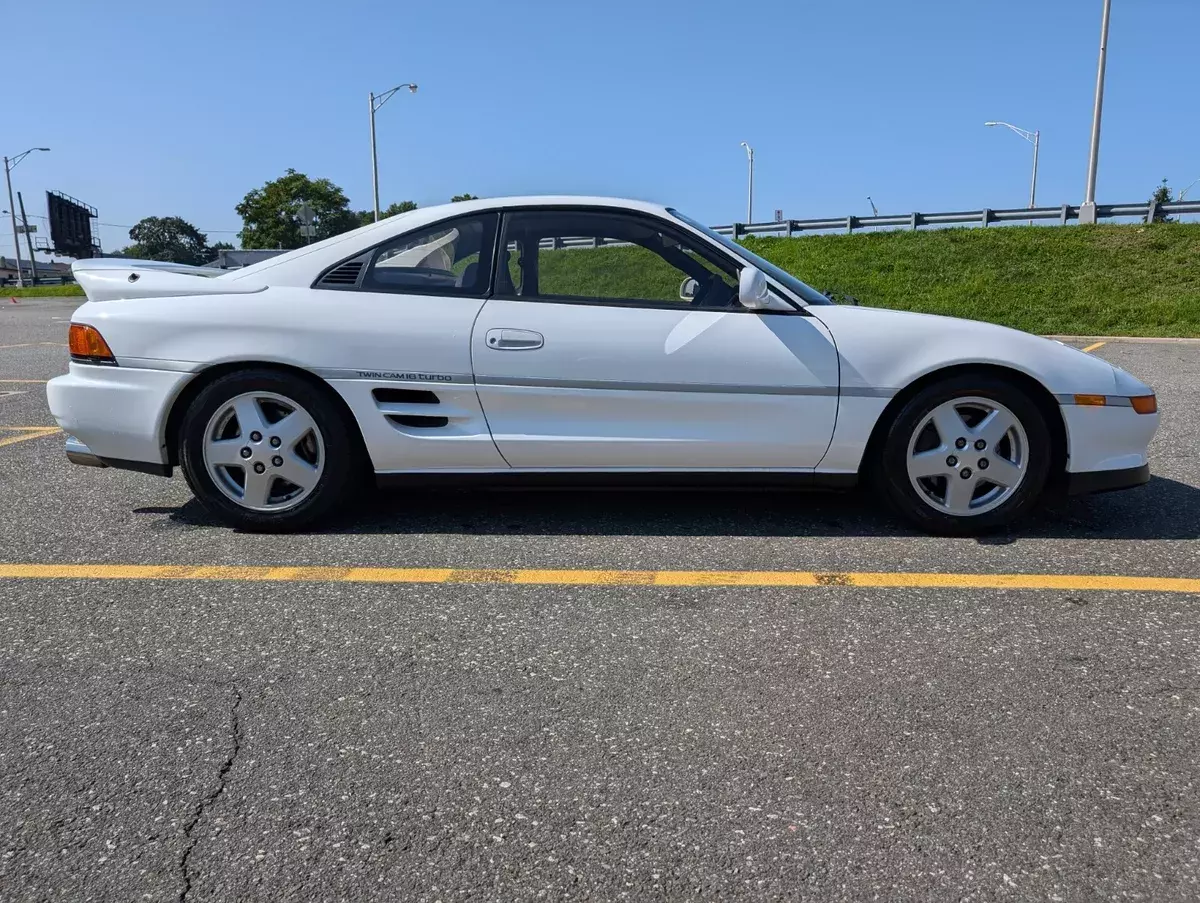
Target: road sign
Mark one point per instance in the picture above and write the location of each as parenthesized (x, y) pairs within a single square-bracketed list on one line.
[(308, 230), (306, 214), (779, 216), (21, 230)]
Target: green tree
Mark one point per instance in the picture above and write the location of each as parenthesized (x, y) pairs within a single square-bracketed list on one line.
[(464, 197), (167, 238), (366, 217), (219, 246), (1162, 195), (271, 214)]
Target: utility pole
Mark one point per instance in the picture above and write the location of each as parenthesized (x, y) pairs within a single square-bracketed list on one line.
[(12, 213), (1087, 213), (28, 238)]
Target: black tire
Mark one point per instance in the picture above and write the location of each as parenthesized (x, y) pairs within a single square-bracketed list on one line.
[(890, 472), (339, 476)]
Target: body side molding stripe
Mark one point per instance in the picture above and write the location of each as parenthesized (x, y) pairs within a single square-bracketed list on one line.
[(716, 388)]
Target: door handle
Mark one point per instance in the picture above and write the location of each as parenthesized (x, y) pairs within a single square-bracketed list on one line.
[(514, 339)]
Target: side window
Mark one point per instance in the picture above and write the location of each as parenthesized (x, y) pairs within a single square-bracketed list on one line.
[(609, 257), (452, 257)]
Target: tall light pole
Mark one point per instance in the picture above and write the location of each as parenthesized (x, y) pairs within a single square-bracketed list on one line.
[(10, 163), (1183, 193), (377, 101), (1034, 138), (750, 191), (1087, 213)]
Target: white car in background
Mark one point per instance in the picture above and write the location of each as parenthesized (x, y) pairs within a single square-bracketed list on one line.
[(541, 338)]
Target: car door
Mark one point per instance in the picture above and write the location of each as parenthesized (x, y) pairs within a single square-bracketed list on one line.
[(396, 322), (614, 340)]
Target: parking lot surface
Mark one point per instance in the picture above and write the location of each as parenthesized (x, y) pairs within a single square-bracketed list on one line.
[(568, 695)]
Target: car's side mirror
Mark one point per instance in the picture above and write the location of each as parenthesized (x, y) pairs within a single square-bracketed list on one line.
[(687, 289), (753, 291)]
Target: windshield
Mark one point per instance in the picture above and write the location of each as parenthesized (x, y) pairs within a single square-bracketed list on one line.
[(786, 279)]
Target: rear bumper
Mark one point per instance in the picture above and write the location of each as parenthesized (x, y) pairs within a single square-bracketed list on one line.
[(115, 413), (1107, 480)]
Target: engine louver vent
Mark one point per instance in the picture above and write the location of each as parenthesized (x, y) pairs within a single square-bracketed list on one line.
[(346, 274)]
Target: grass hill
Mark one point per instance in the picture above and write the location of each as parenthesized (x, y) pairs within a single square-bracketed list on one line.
[(1140, 280)]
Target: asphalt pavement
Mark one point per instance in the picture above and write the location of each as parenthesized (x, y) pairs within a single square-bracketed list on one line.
[(476, 737)]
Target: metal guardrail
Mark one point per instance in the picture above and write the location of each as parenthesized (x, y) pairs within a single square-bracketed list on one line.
[(1061, 215)]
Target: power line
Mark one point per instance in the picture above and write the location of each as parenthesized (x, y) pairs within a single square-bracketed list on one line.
[(119, 226)]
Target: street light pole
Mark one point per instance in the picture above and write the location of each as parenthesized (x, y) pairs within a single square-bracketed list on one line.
[(1037, 140), (377, 101), (1183, 193), (10, 163), (750, 190), (1034, 138), (1087, 213), (12, 214)]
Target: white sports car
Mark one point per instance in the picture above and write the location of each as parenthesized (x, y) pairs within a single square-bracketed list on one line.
[(558, 337)]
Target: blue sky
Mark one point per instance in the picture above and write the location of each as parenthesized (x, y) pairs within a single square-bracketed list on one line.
[(162, 108)]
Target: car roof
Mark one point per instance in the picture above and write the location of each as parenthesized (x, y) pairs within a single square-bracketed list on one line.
[(300, 267)]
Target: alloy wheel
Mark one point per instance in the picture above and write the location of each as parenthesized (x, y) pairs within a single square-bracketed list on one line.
[(968, 456), (264, 451)]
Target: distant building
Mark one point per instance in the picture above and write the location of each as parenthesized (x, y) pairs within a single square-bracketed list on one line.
[(54, 270), (235, 260)]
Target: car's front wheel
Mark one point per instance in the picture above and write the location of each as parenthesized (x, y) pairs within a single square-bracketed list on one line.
[(965, 455), (266, 451)]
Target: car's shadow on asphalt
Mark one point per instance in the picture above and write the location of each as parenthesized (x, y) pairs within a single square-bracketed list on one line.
[(1163, 509)]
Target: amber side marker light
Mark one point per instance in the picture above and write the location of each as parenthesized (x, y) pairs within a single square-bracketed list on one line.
[(88, 345), (1097, 400), (1145, 404)]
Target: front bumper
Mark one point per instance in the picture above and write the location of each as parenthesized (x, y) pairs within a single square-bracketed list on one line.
[(1107, 480)]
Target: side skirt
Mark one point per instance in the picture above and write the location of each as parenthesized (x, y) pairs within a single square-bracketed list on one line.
[(666, 480)]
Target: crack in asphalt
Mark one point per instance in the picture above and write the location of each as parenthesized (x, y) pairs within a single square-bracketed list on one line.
[(235, 729)]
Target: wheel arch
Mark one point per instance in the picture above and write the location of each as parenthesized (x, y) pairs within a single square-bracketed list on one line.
[(206, 377), (1037, 392)]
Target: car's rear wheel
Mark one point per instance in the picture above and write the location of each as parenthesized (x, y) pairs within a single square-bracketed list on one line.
[(966, 455), (266, 451)]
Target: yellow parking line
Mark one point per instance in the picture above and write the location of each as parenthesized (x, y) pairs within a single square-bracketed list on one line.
[(25, 381), (26, 432), (34, 344), (1090, 348), (531, 577)]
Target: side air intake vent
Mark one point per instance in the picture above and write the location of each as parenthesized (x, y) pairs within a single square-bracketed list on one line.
[(417, 421), (345, 274), (405, 396)]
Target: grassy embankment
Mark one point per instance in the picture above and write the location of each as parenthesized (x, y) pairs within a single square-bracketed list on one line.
[(1104, 280), (40, 291)]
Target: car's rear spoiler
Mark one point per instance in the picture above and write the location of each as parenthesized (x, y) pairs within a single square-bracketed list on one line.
[(116, 278)]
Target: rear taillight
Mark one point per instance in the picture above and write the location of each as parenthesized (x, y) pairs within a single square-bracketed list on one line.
[(88, 346)]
